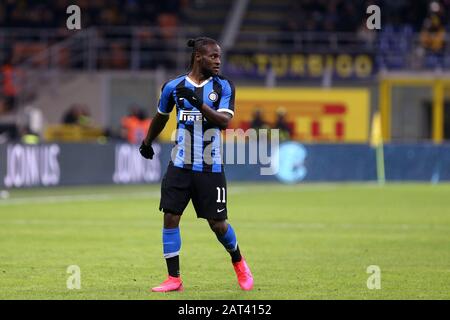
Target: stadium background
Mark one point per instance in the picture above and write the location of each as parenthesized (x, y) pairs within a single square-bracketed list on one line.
[(360, 105)]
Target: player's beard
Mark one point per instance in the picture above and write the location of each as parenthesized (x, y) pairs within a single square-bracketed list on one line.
[(208, 73)]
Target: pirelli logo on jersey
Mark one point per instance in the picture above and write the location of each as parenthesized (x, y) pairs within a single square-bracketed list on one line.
[(189, 115)]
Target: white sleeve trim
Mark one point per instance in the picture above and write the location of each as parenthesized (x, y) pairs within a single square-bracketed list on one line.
[(226, 110), (164, 113)]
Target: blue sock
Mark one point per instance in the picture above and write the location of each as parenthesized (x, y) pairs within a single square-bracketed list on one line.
[(229, 240), (171, 242)]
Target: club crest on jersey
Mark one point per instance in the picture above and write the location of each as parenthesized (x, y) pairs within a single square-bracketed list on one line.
[(213, 96)]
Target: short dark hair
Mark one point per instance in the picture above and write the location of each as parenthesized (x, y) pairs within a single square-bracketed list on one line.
[(197, 44)]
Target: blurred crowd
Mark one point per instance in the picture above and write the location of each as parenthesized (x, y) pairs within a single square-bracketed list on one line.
[(157, 21), (400, 20), (280, 122), (52, 13), (350, 16)]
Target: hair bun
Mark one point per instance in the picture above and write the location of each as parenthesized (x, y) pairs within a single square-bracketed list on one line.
[(191, 43)]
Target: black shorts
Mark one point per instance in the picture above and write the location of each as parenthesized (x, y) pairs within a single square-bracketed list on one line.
[(207, 190)]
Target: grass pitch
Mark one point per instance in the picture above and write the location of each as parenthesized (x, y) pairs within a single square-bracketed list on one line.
[(311, 241)]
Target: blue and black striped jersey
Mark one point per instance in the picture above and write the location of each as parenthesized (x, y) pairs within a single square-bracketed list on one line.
[(197, 145)]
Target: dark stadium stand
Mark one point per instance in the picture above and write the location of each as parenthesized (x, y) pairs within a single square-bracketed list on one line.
[(149, 27), (200, 17)]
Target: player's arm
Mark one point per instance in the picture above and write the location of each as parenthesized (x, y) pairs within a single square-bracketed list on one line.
[(157, 125), (220, 119)]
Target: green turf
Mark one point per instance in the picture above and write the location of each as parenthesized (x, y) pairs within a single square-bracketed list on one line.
[(302, 242)]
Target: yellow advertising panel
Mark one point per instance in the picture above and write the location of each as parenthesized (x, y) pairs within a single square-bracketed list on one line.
[(316, 115)]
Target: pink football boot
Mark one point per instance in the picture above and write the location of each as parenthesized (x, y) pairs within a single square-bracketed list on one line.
[(171, 284), (244, 275)]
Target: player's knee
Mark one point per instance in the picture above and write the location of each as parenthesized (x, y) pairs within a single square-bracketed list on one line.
[(171, 220), (218, 226)]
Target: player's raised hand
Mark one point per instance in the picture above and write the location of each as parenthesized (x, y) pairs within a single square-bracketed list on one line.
[(190, 96), (146, 151)]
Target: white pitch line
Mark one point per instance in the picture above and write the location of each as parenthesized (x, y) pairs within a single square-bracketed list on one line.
[(89, 197), (95, 197), (78, 198)]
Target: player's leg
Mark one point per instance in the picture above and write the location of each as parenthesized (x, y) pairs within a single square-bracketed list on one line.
[(225, 234), (227, 237), (175, 195), (172, 243), (209, 200)]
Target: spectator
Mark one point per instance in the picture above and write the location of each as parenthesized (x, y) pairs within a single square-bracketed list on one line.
[(72, 116), (77, 115), (85, 119), (8, 127), (33, 121), (10, 85), (29, 137), (135, 125), (258, 122), (432, 36), (282, 124)]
